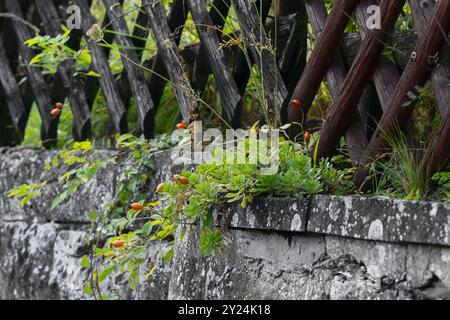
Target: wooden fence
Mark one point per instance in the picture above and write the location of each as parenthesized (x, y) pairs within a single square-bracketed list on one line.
[(290, 81), (206, 58), (395, 90)]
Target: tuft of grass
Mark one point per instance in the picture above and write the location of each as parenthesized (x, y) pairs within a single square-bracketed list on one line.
[(398, 171)]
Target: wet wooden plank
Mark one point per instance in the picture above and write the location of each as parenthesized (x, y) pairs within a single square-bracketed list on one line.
[(140, 32), (365, 63), (261, 50), (93, 84), (415, 74), (321, 57), (73, 87), (201, 70), (355, 135), (171, 58), (386, 74), (292, 59), (11, 94), (241, 71), (36, 80), (107, 81), (8, 136), (422, 12), (229, 93), (135, 74), (176, 20)]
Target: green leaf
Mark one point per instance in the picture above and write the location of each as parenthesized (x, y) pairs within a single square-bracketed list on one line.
[(36, 59), (211, 241), (85, 262), (93, 74), (168, 256), (25, 200), (134, 279), (182, 234), (87, 289), (106, 273), (147, 228), (151, 272), (55, 161), (60, 198)]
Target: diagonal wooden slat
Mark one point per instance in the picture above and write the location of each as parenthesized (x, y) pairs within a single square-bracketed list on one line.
[(386, 74), (259, 46), (362, 68), (292, 59), (107, 81), (231, 99), (416, 73), (92, 83), (201, 70), (169, 54), (321, 57), (35, 78), (142, 98), (176, 20), (73, 88), (241, 71), (355, 135), (438, 151), (140, 32), (13, 99)]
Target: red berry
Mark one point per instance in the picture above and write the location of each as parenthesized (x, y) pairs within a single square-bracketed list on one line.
[(307, 136), (183, 180), (59, 105), (181, 125), (55, 112), (296, 103), (117, 244), (137, 206)]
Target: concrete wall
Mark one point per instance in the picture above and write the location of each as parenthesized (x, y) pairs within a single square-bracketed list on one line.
[(311, 248)]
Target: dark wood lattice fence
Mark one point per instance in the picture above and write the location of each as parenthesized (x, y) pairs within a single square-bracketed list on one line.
[(355, 70)]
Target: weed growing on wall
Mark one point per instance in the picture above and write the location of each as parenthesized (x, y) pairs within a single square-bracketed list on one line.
[(123, 229)]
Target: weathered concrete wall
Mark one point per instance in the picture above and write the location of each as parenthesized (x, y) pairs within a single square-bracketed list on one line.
[(312, 248)]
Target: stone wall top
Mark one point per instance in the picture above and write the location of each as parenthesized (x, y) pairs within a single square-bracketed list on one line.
[(380, 219)]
